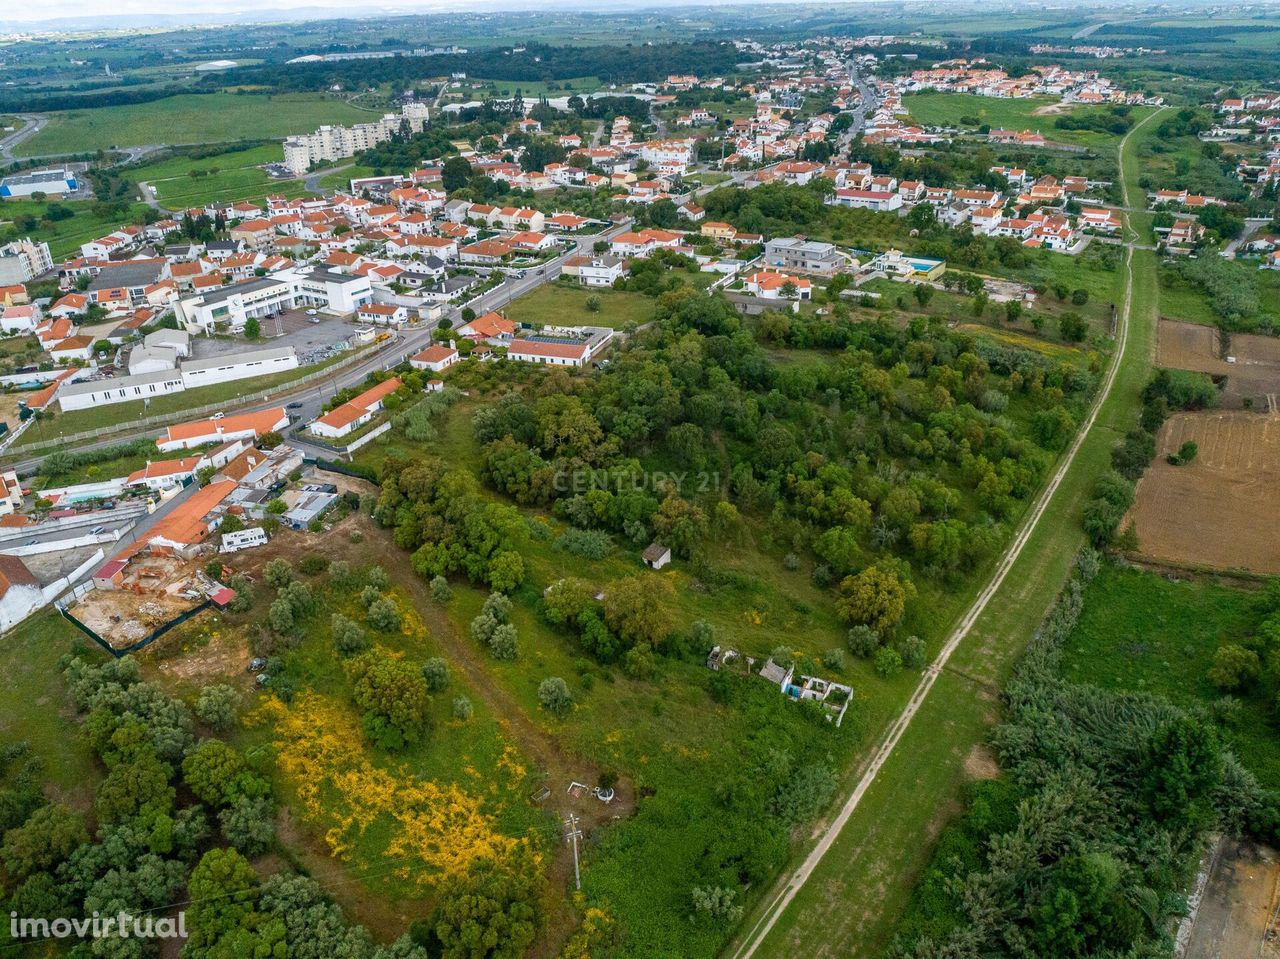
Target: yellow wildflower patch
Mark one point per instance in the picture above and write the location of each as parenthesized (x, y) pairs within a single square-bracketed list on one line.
[(440, 829)]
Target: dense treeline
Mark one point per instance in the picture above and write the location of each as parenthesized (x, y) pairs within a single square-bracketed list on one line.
[(898, 459), (537, 62), (1084, 846)]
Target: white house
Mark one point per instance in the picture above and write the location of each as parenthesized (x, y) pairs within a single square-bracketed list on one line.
[(551, 354), (341, 420), (166, 474), (243, 426), (882, 201), (383, 314), (435, 358), (774, 286)]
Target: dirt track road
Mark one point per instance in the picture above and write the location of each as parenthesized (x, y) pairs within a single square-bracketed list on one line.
[(796, 881)]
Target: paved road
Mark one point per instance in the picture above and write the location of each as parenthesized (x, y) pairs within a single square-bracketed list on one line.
[(1251, 226), (33, 123), (312, 183), (792, 884)]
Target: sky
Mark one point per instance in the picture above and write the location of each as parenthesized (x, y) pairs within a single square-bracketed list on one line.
[(16, 11)]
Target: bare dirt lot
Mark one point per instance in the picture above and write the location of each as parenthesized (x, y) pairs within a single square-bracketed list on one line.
[(1215, 511), (1236, 916), (1253, 370)]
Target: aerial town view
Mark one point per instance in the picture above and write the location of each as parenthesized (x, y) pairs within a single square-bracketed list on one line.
[(642, 479)]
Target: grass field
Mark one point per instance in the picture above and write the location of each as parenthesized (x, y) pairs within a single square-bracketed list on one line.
[(192, 118), (852, 901), (40, 711), (226, 176), (65, 236), (554, 304), (946, 109), (652, 732), (1140, 631)]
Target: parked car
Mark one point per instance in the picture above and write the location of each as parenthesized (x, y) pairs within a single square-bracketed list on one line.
[(97, 531), (257, 664), (218, 415), (294, 406), (312, 312)]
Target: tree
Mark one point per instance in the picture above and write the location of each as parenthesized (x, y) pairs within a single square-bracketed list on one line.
[(1234, 666), (923, 292), (222, 919), (393, 695), (1072, 327), (1180, 766), (249, 824), (493, 914), (48, 837), (1079, 297), (554, 696), (912, 651), (1186, 453), (876, 597), (217, 706), (455, 173), (213, 772), (637, 609), (566, 600), (887, 662), (252, 328)]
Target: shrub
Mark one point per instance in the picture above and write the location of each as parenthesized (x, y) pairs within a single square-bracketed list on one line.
[(587, 543), (639, 662), (280, 615), (441, 591), (348, 637), (313, 564), (340, 574), (502, 643), (436, 672), (888, 662), (216, 707), (384, 615), (554, 696), (863, 641), (462, 708), (278, 573), (912, 652), (377, 577), (833, 659)]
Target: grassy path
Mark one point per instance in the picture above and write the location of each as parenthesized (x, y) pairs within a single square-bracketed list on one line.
[(846, 895)]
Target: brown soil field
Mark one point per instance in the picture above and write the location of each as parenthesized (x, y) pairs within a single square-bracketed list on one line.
[(1216, 511), (1254, 372), (1237, 912)]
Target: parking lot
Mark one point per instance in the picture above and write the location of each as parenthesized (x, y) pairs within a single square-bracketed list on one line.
[(312, 341)]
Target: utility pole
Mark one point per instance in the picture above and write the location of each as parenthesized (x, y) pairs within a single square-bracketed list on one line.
[(572, 835)]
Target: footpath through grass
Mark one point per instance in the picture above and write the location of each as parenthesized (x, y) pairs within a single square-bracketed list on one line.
[(851, 902)]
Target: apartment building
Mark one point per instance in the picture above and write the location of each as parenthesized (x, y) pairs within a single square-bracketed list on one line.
[(339, 142)]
